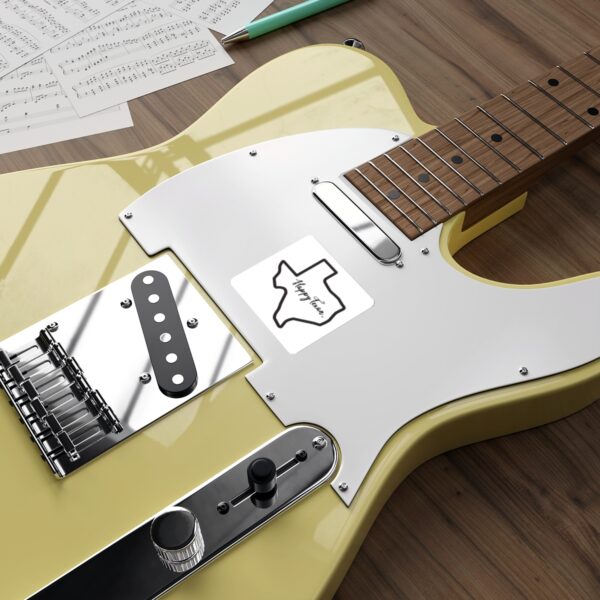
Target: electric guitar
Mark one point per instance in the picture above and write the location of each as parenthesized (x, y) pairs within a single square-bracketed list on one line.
[(264, 314)]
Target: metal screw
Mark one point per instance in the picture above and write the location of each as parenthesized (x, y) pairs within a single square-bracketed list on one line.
[(126, 303), (270, 396), (524, 371), (314, 180), (343, 487), (425, 251), (253, 152), (223, 508), (192, 323), (145, 378), (301, 455), (128, 215), (319, 442), (399, 264), (395, 138), (52, 327)]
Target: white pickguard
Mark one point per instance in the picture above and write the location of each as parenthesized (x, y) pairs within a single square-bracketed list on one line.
[(432, 335)]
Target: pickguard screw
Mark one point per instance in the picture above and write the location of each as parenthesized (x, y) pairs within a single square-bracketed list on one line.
[(128, 215), (126, 303), (270, 396), (524, 371), (145, 378), (425, 251), (223, 508), (399, 264), (396, 138), (52, 327), (319, 442), (192, 323), (343, 487), (301, 455), (253, 152), (314, 180)]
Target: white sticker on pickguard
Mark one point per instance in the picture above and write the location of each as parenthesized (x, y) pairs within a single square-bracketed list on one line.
[(301, 294)]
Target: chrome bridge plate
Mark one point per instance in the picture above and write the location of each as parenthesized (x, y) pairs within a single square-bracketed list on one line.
[(92, 374), (130, 568)]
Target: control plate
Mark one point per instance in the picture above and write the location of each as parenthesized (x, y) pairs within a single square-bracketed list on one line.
[(226, 510)]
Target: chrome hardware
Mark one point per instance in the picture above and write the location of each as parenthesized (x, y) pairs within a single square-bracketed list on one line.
[(253, 153), (270, 396), (319, 442), (126, 303), (524, 371), (354, 43), (395, 138), (357, 222), (133, 567), (192, 323), (62, 411), (74, 417), (177, 539), (425, 251), (314, 180), (343, 486), (128, 215)]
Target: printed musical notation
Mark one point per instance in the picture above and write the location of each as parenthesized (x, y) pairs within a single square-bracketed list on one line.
[(224, 16), (138, 49), (30, 27), (34, 110)]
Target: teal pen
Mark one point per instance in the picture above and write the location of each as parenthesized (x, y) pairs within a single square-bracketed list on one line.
[(281, 19)]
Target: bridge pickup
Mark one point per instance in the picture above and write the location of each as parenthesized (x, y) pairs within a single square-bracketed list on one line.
[(173, 364), (357, 222)]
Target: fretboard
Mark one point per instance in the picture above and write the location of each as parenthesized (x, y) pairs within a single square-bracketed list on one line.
[(488, 156)]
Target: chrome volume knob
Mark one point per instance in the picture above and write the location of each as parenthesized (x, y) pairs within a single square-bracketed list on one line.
[(177, 539)]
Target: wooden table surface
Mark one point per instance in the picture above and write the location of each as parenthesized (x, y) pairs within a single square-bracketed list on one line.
[(513, 517)]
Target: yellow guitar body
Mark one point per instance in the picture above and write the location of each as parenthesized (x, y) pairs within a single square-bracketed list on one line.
[(60, 240)]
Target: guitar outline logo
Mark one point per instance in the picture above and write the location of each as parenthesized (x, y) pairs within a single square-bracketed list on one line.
[(299, 286)]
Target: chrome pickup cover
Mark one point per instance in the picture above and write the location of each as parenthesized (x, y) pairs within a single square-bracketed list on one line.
[(83, 380), (225, 511)]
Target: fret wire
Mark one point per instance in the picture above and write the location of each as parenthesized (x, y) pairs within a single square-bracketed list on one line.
[(407, 196), (409, 219), (563, 106), (592, 57), (418, 184), (510, 132), (534, 119), (581, 83), (460, 175), (494, 150), (433, 174), (471, 158)]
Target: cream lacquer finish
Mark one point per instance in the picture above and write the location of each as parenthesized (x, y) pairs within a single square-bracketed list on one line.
[(60, 240)]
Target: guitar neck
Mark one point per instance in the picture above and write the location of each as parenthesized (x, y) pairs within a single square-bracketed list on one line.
[(489, 155)]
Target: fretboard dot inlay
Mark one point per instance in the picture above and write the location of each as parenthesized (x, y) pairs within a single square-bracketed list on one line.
[(485, 158)]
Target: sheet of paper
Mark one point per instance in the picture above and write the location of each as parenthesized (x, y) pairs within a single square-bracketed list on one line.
[(224, 16), (137, 50), (30, 27), (34, 110)]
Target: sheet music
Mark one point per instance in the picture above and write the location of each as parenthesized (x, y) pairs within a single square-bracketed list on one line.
[(30, 27), (137, 50), (34, 110), (224, 16)]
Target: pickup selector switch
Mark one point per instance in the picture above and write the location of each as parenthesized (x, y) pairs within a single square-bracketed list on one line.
[(262, 477), (177, 539)]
